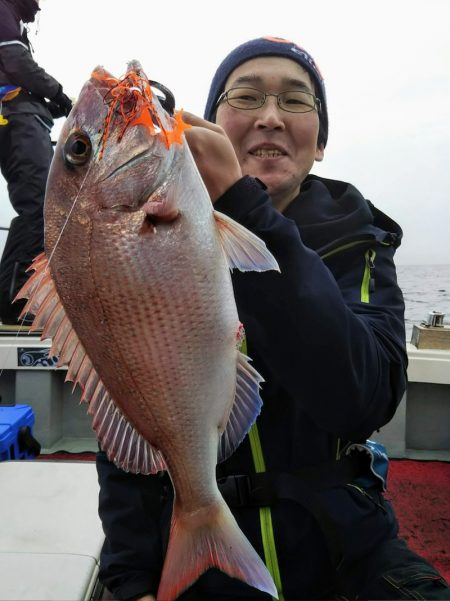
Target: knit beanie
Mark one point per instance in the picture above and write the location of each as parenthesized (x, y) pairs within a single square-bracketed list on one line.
[(268, 46)]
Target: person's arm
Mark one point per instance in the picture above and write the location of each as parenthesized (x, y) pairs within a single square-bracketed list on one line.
[(22, 70), (130, 512), (343, 359)]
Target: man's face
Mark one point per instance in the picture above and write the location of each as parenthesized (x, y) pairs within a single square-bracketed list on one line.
[(274, 145)]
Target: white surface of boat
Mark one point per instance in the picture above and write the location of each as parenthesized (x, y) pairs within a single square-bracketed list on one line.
[(51, 535)]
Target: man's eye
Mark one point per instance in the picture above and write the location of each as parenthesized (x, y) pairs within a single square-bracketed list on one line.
[(295, 101), (297, 98), (246, 97)]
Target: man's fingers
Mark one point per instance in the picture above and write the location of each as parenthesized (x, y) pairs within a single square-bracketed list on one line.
[(213, 153), (197, 121)]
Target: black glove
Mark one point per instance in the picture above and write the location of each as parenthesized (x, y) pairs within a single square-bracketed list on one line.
[(63, 101), (56, 111)]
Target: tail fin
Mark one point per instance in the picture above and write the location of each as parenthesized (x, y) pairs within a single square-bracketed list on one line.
[(208, 538)]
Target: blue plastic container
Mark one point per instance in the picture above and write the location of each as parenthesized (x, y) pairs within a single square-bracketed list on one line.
[(12, 420)]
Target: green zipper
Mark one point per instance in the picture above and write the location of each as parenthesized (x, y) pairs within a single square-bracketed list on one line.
[(369, 257), (342, 248), (367, 282)]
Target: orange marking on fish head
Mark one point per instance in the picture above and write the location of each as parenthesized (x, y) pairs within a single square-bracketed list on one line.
[(175, 135)]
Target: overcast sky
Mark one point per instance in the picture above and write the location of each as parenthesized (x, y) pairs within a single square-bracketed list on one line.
[(386, 66)]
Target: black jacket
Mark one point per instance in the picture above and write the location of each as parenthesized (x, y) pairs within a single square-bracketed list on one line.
[(327, 334), (17, 67)]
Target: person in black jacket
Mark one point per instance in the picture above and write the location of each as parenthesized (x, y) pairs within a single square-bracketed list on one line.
[(327, 334), (35, 99)]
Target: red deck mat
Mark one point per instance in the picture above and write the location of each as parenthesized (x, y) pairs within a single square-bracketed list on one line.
[(420, 494)]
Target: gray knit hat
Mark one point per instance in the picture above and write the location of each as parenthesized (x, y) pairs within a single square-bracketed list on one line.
[(268, 46)]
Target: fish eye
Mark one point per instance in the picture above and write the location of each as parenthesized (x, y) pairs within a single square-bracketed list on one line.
[(77, 149)]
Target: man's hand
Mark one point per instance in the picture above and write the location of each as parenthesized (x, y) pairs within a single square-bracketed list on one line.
[(214, 155), (63, 102), (146, 598), (56, 111)]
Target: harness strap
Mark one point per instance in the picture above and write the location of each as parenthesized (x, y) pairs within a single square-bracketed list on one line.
[(264, 489), (265, 516)]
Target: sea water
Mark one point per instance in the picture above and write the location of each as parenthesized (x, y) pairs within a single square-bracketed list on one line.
[(425, 288)]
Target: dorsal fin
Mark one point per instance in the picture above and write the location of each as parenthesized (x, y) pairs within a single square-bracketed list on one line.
[(243, 250), (122, 443), (246, 408)]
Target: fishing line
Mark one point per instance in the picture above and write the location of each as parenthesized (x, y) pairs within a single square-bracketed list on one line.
[(70, 213), (30, 300)]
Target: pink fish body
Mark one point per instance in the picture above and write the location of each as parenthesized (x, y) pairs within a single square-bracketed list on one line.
[(135, 292)]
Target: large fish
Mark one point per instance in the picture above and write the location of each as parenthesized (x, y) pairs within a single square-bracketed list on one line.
[(134, 290)]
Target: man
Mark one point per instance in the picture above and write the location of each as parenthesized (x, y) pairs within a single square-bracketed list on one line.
[(25, 146), (328, 337)]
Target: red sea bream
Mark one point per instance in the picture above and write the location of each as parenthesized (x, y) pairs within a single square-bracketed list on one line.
[(134, 290)]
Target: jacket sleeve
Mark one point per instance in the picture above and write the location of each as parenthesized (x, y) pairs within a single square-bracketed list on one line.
[(308, 330), (21, 69), (130, 509)]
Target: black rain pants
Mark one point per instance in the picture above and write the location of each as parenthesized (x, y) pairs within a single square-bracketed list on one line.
[(25, 156)]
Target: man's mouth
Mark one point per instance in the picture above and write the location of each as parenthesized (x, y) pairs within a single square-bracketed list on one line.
[(267, 153)]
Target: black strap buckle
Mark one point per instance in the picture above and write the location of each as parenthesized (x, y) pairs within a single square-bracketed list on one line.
[(247, 490), (235, 490)]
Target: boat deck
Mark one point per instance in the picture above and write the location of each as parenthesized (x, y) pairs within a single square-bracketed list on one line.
[(51, 531)]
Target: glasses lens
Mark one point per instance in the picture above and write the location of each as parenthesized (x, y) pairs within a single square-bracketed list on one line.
[(245, 98), (297, 102)]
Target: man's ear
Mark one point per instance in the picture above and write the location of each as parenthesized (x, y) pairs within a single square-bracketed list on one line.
[(320, 152)]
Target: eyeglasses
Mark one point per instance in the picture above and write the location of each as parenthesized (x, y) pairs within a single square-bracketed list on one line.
[(292, 101)]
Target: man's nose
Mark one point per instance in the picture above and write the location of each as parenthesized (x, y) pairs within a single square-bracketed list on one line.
[(270, 115)]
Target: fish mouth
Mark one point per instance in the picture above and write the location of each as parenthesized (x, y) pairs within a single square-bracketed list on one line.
[(132, 205), (138, 204), (138, 158), (151, 191), (156, 205)]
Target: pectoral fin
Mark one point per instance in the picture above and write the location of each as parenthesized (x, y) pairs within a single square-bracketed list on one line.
[(244, 250), (246, 408)]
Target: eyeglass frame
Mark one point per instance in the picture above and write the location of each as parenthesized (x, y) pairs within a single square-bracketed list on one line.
[(224, 96)]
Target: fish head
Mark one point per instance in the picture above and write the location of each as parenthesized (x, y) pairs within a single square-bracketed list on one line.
[(116, 149)]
